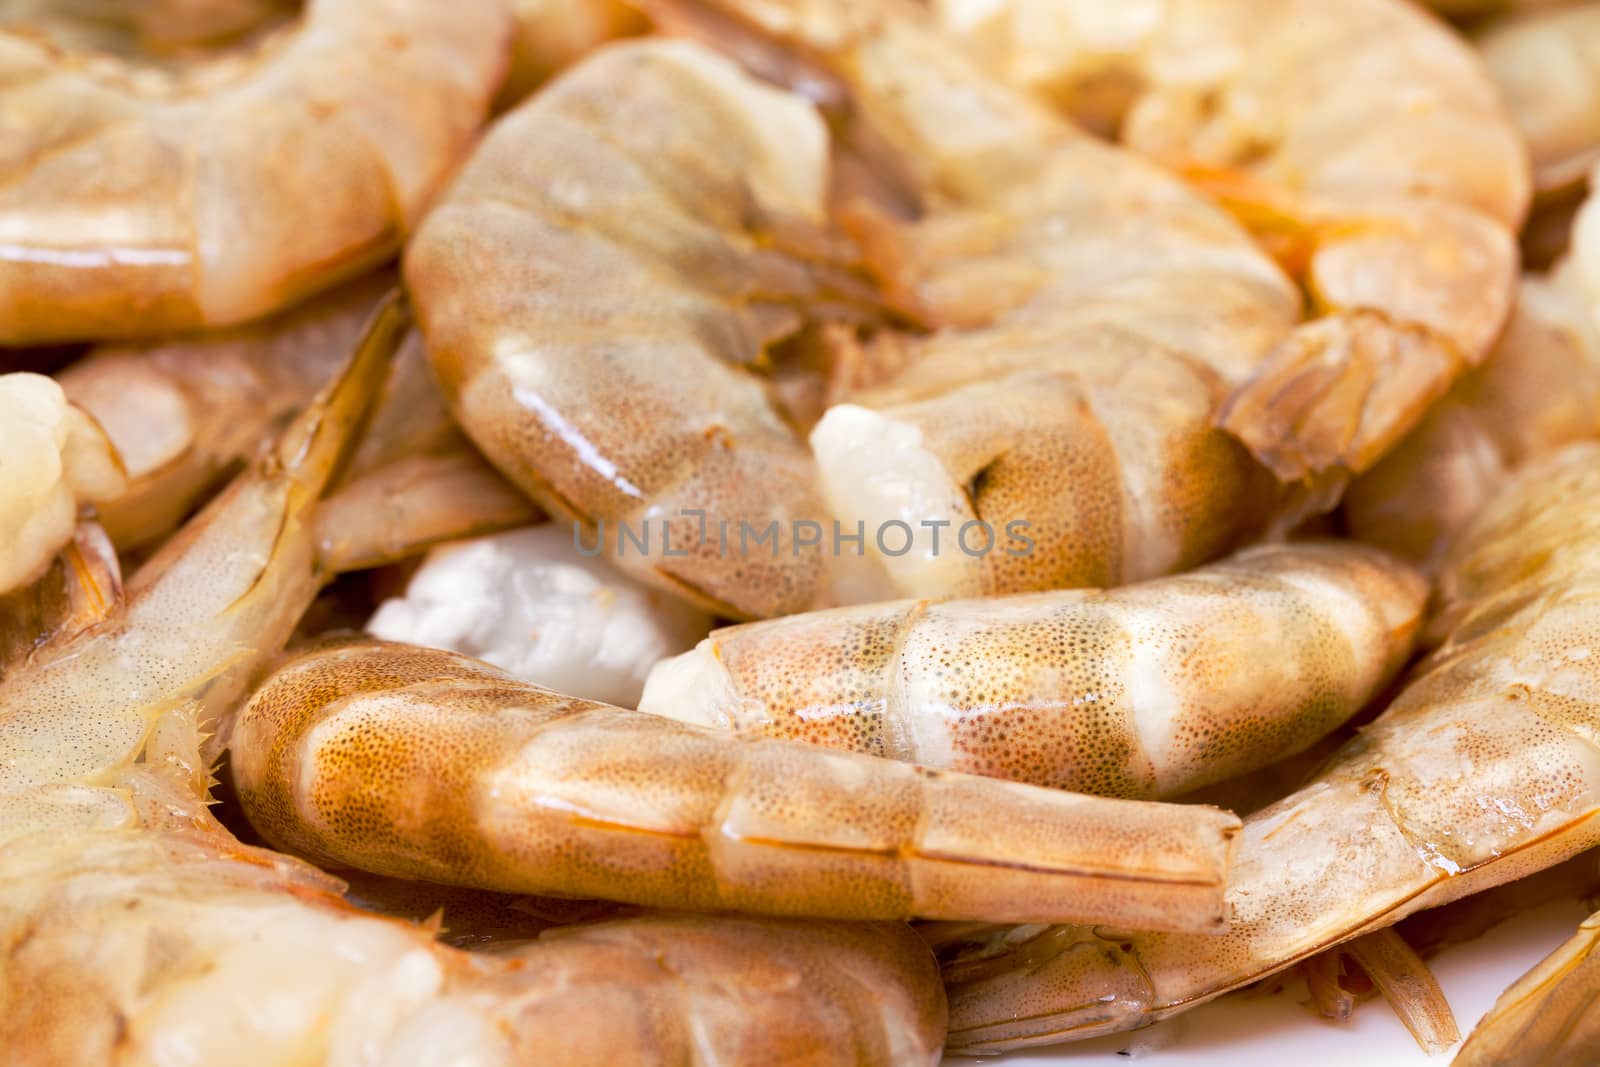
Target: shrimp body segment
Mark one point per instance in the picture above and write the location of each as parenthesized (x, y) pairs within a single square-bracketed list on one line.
[(138, 199), (1484, 770), (1365, 145), (1149, 690), (425, 764)]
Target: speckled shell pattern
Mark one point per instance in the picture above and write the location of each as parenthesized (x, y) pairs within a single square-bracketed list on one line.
[(136, 209), (1482, 771), (1148, 690), (425, 764)]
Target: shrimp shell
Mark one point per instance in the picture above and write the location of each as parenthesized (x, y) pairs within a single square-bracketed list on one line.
[(530, 791), (137, 204), (1484, 770), (1149, 690)]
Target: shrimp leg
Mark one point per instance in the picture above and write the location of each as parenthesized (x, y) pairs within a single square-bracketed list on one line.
[(425, 764), (1548, 1015), (198, 620), (1484, 770), (82, 587), (1149, 690)]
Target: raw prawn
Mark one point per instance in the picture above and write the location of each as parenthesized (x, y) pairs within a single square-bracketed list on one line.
[(140, 196), (1149, 690), (526, 790), (600, 310), (1362, 141), (54, 459), (1482, 771)]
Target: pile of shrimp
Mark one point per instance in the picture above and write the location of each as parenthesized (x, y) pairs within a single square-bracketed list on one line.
[(790, 531)]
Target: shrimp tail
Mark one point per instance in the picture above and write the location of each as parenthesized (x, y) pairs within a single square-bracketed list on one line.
[(1337, 395)]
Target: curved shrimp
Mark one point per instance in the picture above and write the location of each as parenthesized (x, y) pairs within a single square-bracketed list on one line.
[(529, 791), (1149, 690), (260, 962), (1483, 770), (599, 320), (54, 459), (139, 197), (1364, 144), (1548, 1015)]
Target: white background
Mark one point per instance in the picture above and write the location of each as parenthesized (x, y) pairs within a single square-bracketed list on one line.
[(1271, 1029)]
